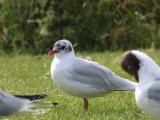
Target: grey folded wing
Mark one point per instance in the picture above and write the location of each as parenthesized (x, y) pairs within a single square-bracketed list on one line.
[(96, 75), (154, 91)]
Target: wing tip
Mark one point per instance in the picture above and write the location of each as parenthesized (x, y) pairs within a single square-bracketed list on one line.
[(54, 103), (32, 97)]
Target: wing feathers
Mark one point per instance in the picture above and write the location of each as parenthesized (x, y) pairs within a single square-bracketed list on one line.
[(31, 97), (100, 77), (35, 104)]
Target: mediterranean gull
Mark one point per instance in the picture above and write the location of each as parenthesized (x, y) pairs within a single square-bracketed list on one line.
[(147, 74), (82, 78), (10, 104)]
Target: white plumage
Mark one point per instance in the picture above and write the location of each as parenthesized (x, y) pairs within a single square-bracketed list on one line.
[(147, 92), (83, 78), (10, 104)]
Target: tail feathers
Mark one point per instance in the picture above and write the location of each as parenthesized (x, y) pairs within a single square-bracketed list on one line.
[(126, 89), (130, 86), (122, 84), (36, 112), (31, 97), (35, 104)]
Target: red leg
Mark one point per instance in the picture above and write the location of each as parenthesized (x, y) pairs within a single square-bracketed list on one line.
[(85, 104)]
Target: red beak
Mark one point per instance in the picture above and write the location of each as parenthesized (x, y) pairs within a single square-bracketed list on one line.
[(136, 76), (52, 52)]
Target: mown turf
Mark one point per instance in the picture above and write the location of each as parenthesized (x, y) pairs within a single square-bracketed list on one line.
[(27, 74)]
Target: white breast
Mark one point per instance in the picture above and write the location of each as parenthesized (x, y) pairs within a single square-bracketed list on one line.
[(148, 105), (60, 74)]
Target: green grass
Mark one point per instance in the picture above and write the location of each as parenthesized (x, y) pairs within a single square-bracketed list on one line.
[(27, 74)]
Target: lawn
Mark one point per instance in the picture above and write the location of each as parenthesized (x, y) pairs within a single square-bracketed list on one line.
[(28, 74)]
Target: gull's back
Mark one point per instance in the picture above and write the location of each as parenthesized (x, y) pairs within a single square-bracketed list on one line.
[(9, 104)]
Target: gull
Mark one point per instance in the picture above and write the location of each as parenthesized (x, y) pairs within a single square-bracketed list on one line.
[(10, 104), (82, 78), (147, 74)]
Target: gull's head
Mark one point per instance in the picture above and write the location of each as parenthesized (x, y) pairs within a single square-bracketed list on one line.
[(139, 65), (62, 48), (131, 64)]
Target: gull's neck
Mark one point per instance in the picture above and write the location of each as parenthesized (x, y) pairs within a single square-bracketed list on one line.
[(65, 55), (149, 71)]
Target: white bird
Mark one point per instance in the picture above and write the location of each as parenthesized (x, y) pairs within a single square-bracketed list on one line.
[(82, 78), (147, 74), (10, 104)]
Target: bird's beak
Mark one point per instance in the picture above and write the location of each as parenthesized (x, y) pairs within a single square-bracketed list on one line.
[(52, 52), (136, 76)]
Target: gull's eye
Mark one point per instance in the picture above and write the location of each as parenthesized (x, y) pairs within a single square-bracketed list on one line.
[(130, 68), (62, 47)]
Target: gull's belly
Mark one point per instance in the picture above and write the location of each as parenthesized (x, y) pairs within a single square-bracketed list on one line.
[(65, 84)]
